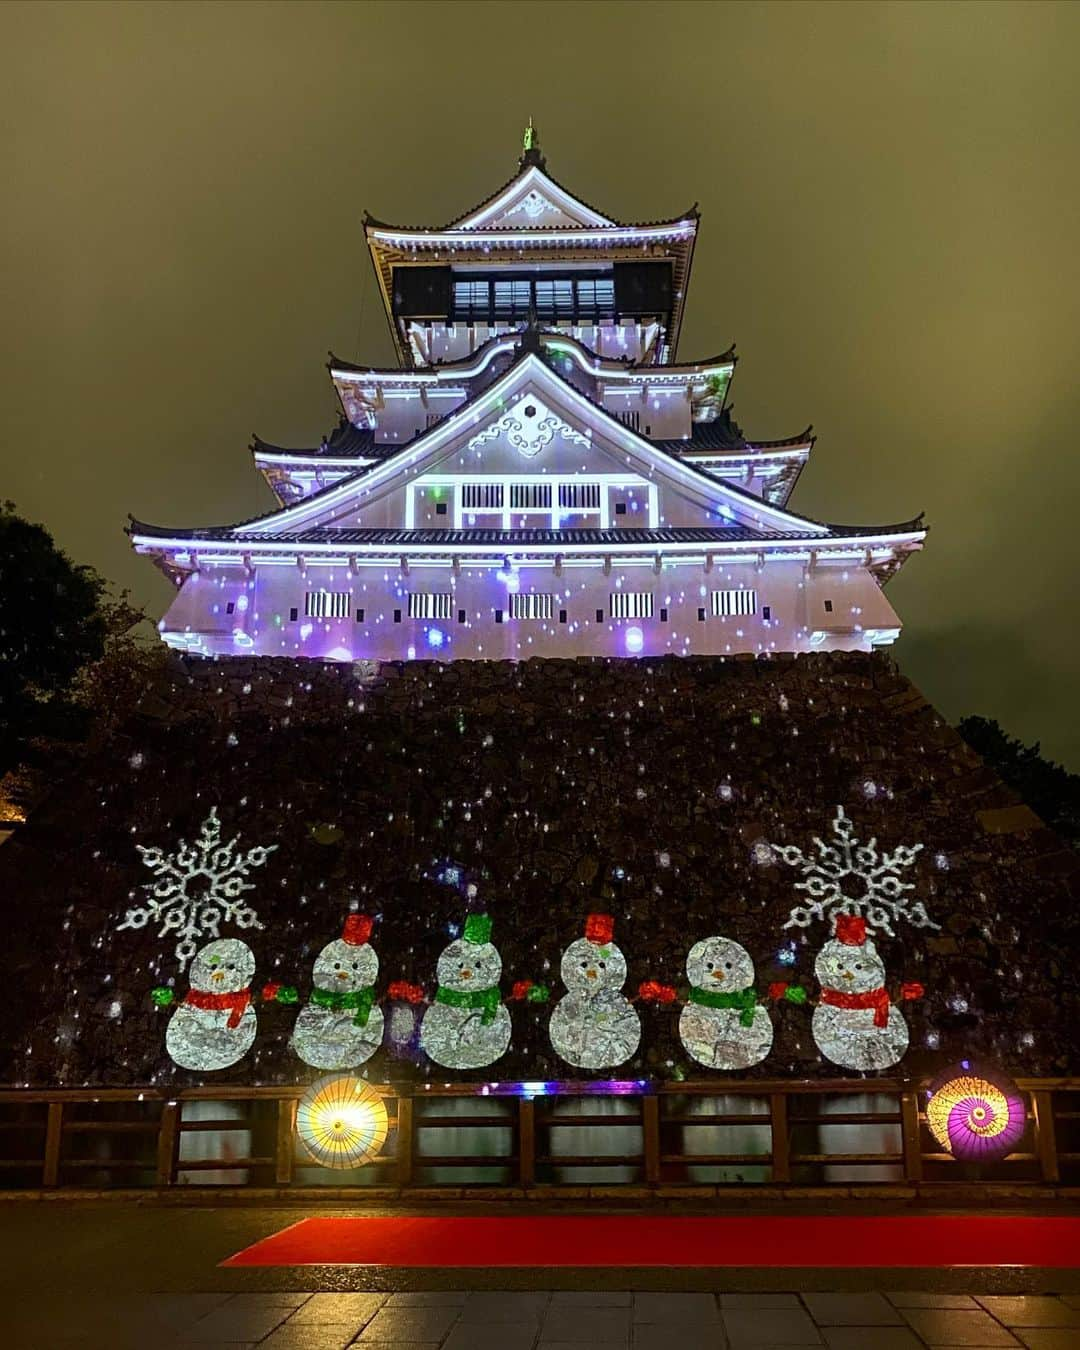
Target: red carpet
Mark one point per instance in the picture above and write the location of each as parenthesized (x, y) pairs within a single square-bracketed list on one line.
[(730, 1240)]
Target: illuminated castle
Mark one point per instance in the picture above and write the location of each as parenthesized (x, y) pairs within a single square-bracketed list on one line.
[(539, 476)]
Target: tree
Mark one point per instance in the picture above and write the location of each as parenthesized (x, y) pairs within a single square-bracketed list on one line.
[(51, 625), (1049, 789)]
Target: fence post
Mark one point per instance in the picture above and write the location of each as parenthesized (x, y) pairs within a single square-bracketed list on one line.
[(285, 1150), (650, 1122), (404, 1141), (54, 1125), (911, 1137), (1042, 1108), (526, 1141), (168, 1142), (781, 1142)]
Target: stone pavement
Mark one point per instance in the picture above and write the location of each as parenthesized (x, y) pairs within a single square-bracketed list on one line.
[(546, 1320)]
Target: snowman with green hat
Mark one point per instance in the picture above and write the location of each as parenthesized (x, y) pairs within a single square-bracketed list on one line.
[(467, 1026)]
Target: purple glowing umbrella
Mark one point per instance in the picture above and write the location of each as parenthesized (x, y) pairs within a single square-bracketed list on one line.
[(976, 1114)]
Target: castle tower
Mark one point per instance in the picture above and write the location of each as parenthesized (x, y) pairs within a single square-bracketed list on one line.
[(538, 476)]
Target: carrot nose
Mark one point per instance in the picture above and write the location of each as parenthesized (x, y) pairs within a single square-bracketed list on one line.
[(343, 974), (590, 974), (218, 975), (848, 975), (718, 974), (466, 974)]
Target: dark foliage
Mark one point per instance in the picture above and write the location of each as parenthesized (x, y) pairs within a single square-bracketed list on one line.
[(1048, 788), (51, 625)]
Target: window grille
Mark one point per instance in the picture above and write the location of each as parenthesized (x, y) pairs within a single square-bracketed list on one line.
[(471, 295), (327, 604), (596, 294), (482, 496), (530, 496), (512, 297), (579, 496), (631, 604), (532, 606), (555, 297), (728, 603), (631, 420), (430, 604)]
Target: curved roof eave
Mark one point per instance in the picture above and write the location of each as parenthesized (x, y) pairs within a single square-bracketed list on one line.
[(754, 504)]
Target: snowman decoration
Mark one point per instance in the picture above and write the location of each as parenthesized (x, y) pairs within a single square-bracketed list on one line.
[(856, 1024), (467, 1026), (342, 1026), (215, 1024), (594, 1025), (722, 1024)]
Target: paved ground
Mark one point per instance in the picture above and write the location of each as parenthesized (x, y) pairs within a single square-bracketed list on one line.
[(561, 1320), (114, 1276)]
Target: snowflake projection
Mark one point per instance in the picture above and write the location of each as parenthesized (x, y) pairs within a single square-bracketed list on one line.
[(880, 895), (198, 888)]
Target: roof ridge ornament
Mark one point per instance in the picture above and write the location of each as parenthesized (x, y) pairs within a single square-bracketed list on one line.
[(530, 148)]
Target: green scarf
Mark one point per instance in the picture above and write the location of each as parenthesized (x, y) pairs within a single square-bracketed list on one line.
[(743, 999), (360, 999), (488, 999)]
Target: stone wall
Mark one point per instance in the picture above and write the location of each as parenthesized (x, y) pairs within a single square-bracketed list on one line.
[(646, 789)]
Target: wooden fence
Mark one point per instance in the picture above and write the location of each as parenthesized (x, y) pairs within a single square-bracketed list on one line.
[(552, 1136)]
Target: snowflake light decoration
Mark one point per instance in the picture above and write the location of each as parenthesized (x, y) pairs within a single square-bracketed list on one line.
[(198, 888), (883, 899)]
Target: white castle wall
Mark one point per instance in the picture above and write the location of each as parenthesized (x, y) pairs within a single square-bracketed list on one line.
[(269, 615)]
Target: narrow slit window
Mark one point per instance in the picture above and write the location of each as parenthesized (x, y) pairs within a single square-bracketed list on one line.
[(530, 496), (726, 604), (579, 496), (630, 604), (531, 605), (430, 604), (482, 496), (327, 604)]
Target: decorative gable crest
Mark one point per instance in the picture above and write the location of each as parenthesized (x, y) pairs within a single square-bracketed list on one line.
[(529, 426)]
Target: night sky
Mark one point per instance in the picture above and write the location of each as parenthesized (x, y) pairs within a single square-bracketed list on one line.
[(891, 218)]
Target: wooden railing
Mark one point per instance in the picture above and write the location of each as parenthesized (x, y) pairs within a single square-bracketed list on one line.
[(557, 1136)]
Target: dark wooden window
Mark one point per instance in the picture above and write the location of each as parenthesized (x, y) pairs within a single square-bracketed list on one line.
[(421, 292), (643, 288)]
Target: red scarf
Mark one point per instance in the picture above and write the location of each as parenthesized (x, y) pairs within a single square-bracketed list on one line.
[(878, 999), (236, 1003)]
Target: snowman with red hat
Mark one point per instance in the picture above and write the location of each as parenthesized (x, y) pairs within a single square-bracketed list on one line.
[(856, 1023), (594, 1026), (341, 1026)]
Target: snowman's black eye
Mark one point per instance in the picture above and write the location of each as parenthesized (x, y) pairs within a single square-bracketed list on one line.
[(231, 965), (727, 965), (601, 965), (584, 965), (858, 966), (356, 965), (337, 965)]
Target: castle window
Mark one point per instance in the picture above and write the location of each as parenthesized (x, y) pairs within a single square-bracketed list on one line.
[(530, 496), (440, 508), (294, 614), (430, 604), (728, 603), (631, 419), (579, 496), (828, 606), (766, 612), (482, 496), (359, 616), (327, 604), (631, 604), (470, 295), (663, 615), (620, 508), (531, 606)]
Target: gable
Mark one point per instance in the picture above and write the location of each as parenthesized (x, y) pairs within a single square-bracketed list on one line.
[(530, 422), (533, 201)]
